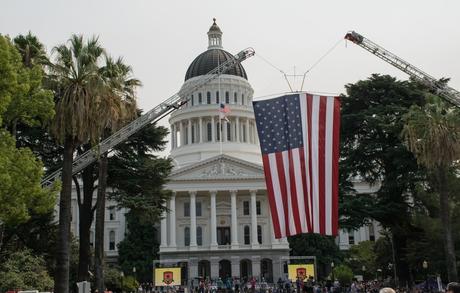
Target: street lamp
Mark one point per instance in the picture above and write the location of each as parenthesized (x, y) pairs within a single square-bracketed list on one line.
[(122, 276), (332, 271), (134, 273), (364, 271)]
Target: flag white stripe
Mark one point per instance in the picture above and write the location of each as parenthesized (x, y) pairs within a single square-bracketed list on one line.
[(299, 188), (292, 229), (277, 193), (328, 162), (306, 146), (314, 164)]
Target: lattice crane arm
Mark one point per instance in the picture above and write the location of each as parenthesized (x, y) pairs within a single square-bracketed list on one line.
[(151, 116), (441, 89)]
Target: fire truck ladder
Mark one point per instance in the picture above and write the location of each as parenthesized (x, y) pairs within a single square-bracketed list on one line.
[(155, 114), (439, 88)]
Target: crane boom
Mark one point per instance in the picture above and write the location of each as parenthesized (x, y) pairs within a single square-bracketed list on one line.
[(151, 116), (441, 89)]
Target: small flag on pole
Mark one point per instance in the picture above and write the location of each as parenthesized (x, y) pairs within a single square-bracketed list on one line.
[(224, 110), (299, 140)]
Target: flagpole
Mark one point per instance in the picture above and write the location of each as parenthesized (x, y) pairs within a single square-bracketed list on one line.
[(220, 101)]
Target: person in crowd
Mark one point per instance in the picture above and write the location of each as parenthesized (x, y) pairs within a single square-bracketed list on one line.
[(453, 287)]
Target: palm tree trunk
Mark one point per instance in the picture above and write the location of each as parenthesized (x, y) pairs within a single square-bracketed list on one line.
[(449, 248), (86, 219), (61, 275), (100, 221)]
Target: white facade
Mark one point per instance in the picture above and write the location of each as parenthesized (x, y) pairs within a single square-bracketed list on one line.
[(115, 226), (219, 223)]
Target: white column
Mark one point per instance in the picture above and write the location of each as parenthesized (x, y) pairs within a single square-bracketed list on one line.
[(189, 138), (237, 134), (213, 220), (247, 131), (172, 221), (234, 233), (254, 241), (213, 129), (201, 129), (164, 232), (192, 219), (172, 136), (181, 135)]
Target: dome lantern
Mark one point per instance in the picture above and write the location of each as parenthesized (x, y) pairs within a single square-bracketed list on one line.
[(214, 36)]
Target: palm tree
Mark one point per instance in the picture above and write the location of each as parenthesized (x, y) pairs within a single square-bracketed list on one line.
[(120, 101), (76, 80), (432, 133), (32, 51)]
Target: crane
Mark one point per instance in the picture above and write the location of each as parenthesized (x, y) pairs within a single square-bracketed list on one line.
[(155, 114), (439, 88)]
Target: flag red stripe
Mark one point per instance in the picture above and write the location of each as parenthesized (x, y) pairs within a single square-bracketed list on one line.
[(304, 185), (321, 164), (310, 193), (271, 196), (283, 188), (335, 168), (295, 207)]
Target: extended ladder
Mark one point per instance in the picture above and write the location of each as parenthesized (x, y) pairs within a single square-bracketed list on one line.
[(441, 89), (151, 116)]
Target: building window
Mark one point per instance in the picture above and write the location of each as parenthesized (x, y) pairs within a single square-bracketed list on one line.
[(111, 213), (208, 98), (193, 133), (186, 209), (246, 208), (242, 99), (191, 99), (198, 208), (218, 131), (229, 132), (371, 232), (259, 234), (247, 239), (227, 98), (186, 136), (258, 209), (199, 236), (209, 126), (112, 240), (351, 237), (217, 97), (223, 235), (235, 98), (200, 99), (244, 134), (187, 236)]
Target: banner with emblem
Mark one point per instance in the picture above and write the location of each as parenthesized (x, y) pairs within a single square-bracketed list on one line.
[(167, 277), (301, 271)]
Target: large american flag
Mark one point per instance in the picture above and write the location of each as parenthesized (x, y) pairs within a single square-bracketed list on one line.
[(299, 139)]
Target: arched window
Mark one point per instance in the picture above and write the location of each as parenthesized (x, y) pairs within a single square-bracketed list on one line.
[(200, 99), (199, 236), (227, 98), (229, 132), (259, 234), (208, 98), (217, 98), (235, 98), (187, 236), (247, 239), (192, 100), (242, 99), (209, 126), (112, 240)]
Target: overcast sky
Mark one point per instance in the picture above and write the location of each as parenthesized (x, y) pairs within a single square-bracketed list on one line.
[(159, 39)]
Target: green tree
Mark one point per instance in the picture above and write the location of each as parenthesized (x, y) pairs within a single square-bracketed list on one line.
[(361, 256), (77, 84), (25, 271), (344, 274), (432, 133), (373, 150)]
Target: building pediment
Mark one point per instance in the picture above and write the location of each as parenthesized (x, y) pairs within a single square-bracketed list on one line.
[(221, 167)]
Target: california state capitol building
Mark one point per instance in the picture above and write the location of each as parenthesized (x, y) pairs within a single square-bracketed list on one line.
[(218, 222)]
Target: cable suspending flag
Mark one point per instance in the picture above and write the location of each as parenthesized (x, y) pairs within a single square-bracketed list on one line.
[(299, 140)]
